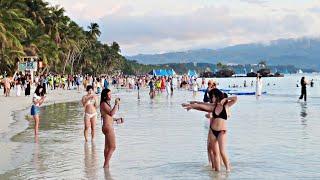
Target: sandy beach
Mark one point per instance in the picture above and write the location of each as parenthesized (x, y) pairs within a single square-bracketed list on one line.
[(8, 105)]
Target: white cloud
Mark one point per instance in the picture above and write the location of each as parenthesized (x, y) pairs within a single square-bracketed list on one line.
[(159, 26)]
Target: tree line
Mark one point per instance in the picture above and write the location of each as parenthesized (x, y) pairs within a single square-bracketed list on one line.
[(34, 28)]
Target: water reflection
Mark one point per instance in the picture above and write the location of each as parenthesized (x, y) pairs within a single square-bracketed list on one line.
[(38, 162), (303, 113), (218, 175), (107, 174), (90, 161)]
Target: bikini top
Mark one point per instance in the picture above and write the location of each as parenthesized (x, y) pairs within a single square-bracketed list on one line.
[(91, 101), (222, 115)]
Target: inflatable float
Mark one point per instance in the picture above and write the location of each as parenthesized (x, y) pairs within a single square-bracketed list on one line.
[(236, 92), (239, 93)]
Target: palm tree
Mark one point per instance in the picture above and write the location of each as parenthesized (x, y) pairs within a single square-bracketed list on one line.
[(94, 31), (56, 22), (13, 27), (37, 10), (115, 47)]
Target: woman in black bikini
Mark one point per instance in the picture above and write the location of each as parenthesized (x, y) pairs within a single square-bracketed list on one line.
[(219, 110)]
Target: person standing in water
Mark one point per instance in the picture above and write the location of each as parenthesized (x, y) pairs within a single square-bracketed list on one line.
[(168, 89), (107, 113), (38, 99), (207, 99), (195, 87), (219, 109), (311, 83), (258, 85), (90, 104), (303, 83), (171, 86), (152, 91)]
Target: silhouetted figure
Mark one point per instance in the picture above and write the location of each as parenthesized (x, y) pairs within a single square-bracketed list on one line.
[(303, 89), (311, 83)]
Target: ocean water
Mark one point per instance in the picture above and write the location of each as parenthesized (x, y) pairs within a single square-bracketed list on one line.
[(272, 137)]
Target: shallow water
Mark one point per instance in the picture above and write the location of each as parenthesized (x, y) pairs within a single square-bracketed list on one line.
[(271, 137)]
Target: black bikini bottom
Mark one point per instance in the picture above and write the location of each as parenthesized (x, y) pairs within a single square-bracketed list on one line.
[(216, 133)]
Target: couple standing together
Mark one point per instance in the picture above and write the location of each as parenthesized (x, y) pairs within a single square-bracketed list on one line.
[(90, 103)]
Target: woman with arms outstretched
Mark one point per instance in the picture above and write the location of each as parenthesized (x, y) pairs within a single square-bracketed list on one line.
[(219, 109)]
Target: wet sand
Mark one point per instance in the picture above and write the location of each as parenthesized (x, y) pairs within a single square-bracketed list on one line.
[(9, 105)]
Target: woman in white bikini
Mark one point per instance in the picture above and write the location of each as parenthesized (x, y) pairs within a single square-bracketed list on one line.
[(90, 104)]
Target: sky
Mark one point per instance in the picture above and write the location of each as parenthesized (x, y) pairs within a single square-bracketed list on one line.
[(159, 26)]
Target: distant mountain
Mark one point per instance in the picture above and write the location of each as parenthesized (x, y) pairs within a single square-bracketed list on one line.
[(303, 52)]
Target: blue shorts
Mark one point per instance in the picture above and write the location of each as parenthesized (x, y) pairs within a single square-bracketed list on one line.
[(35, 110)]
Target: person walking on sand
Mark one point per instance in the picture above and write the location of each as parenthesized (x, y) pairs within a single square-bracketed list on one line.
[(6, 84), (90, 104), (38, 99), (18, 86), (28, 86), (303, 83), (218, 127), (107, 113)]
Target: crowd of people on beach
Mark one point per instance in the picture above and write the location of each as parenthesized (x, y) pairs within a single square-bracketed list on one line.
[(215, 102), (23, 82)]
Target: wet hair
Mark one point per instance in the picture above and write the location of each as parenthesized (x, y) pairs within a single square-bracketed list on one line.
[(219, 95), (89, 87), (104, 95), (37, 91)]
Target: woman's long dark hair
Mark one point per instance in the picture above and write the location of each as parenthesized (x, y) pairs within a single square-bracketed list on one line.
[(302, 81), (104, 96), (219, 95), (37, 91)]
